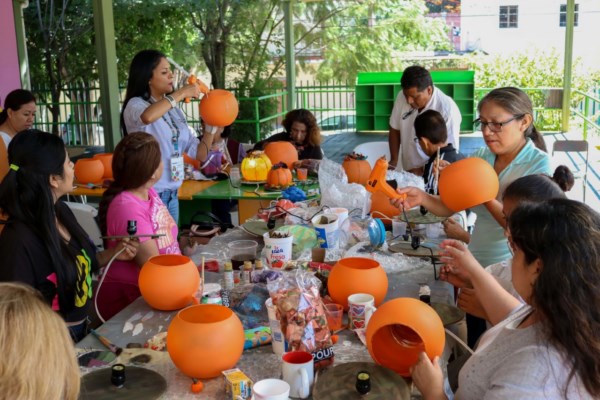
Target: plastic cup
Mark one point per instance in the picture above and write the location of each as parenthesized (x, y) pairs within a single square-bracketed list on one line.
[(302, 174), (334, 313), (235, 177), (278, 250), (240, 251), (341, 212), (398, 227), (327, 228)]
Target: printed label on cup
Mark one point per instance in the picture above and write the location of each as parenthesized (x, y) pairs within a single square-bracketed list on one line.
[(361, 307)]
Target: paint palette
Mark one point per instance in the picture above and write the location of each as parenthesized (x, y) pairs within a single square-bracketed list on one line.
[(140, 383)]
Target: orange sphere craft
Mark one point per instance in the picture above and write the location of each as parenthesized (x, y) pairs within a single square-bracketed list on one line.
[(89, 170), (256, 166), (357, 275), (282, 152), (219, 108), (169, 281), (204, 340), (106, 159), (467, 183), (357, 168), (402, 328)]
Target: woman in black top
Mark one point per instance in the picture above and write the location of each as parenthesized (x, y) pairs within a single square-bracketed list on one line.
[(42, 244), (302, 130)]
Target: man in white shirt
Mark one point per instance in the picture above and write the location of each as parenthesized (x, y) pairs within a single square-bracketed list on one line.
[(418, 94)]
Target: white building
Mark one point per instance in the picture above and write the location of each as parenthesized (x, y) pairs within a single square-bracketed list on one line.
[(505, 26)]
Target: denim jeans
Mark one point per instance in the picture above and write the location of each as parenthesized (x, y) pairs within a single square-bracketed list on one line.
[(169, 197)]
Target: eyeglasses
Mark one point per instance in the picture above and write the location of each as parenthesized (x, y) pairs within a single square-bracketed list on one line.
[(494, 126)]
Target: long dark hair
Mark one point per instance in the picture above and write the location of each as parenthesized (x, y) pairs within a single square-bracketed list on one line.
[(565, 236), (140, 73), (534, 188), (26, 196), (14, 100), (135, 159), (313, 132), (516, 102)]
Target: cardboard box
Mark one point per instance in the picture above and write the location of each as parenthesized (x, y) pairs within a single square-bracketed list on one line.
[(237, 384)]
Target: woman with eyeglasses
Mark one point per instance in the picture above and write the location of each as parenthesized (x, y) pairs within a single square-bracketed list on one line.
[(514, 148)]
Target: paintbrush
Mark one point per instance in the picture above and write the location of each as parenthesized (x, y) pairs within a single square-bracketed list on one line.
[(109, 345)]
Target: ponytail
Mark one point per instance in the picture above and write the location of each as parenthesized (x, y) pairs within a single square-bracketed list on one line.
[(536, 137)]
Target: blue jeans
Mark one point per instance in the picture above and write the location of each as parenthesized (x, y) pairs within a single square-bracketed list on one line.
[(169, 197)]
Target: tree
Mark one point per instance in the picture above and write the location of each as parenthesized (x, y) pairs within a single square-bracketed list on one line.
[(371, 34)]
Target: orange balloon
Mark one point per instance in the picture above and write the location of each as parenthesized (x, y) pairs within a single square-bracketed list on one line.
[(402, 328), (357, 275), (282, 152), (204, 340), (106, 159), (467, 183), (169, 281), (219, 108), (358, 171), (89, 170), (381, 207)]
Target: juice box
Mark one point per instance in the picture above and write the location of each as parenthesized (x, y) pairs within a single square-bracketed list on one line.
[(237, 384)]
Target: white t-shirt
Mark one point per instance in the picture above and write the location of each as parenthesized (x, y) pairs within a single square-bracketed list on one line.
[(412, 154), (163, 133), (516, 363), (6, 137)]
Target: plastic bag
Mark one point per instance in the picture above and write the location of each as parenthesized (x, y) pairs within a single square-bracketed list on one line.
[(302, 315), (337, 192)]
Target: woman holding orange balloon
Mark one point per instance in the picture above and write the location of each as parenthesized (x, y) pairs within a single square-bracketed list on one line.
[(151, 106)]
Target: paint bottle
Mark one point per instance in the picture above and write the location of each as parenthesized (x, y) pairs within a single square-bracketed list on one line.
[(247, 272), (228, 276)]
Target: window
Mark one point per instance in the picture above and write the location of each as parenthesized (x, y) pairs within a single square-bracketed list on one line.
[(509, 17), (563, 15)]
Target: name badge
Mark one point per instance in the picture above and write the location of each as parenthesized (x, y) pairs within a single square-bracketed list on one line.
[(177, 171)]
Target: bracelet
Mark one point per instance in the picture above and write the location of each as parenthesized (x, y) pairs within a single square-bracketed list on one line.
[(171, 100)]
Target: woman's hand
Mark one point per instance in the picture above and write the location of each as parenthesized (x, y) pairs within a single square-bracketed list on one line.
[(187, 91), (428, 377), (468, 302), (457, 280), (459, 260), (131, 247), (414, 197), (455, 231)]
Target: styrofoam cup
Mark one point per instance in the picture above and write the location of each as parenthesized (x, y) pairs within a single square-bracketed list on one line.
[(278, 250), (327, 234), (341, 212), (277, 339)]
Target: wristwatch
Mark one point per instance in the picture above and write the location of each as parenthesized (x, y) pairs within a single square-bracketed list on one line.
[(171, 100)]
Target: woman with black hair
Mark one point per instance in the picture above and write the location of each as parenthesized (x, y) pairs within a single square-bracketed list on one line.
[(549, 347), (18, 114), (151, 106), (42, 244)]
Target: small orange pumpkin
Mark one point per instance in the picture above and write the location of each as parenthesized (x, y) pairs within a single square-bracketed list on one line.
[(279, 176), (106, 159), (282, 152), (256, 166), (357, 168)]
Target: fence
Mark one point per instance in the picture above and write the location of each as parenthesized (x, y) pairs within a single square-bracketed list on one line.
[(77, 116)]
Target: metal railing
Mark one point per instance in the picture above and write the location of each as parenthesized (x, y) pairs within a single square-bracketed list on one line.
[(77, 117)]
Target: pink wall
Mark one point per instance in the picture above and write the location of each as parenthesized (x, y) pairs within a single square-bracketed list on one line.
[(9, 62)]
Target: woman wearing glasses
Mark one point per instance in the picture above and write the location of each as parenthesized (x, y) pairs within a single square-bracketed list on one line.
[(515, 149)]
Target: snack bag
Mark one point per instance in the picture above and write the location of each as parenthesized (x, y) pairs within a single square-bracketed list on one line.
[(302, 315)]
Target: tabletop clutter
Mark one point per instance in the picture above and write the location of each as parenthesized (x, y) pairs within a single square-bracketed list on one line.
[(323, 268)]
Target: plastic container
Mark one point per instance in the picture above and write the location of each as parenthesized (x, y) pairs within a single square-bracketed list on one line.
[(327, 232), (240, 251), (278, 250)]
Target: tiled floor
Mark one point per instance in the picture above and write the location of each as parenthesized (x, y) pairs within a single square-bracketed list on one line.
[(337, 145)]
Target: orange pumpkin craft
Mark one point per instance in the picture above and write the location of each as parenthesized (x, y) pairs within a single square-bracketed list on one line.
[(279, 176), (357, 168)]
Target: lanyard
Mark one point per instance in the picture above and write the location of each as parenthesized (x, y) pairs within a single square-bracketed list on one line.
[(175, 132)]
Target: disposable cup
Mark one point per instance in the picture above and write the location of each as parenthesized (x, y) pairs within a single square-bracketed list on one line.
[(341, 212), (278, 250), (327, 228), (334, 313), (277, 339)]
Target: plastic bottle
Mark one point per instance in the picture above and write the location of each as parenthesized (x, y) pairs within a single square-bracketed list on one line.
[(258, 265), (228, 276), (247, 272)]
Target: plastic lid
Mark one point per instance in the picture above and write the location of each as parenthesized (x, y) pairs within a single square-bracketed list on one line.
[(228, 266)]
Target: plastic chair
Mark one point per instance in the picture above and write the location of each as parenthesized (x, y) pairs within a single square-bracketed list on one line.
[(86, 217), (374, 151), (576, 146)]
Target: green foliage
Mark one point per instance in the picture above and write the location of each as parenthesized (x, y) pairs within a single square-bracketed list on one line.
[(246, 132), (369, 35)]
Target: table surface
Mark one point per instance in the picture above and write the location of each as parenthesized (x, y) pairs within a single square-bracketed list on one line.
[(224, 190)]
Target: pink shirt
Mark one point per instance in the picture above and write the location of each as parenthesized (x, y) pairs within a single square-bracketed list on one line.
[(152, 218)]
